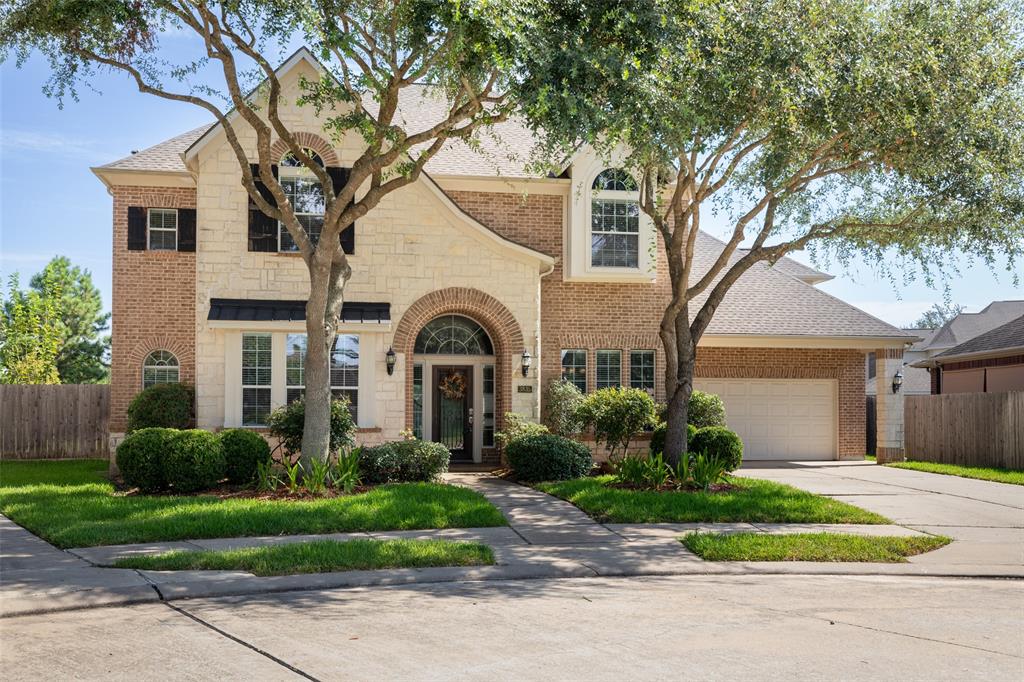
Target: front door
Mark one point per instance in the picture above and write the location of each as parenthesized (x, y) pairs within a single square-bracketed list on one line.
[(453, 410)]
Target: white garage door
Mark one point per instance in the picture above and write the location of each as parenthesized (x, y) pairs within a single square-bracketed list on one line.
[(779, 418)]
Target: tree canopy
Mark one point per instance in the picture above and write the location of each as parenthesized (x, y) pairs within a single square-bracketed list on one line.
[(30, 333)]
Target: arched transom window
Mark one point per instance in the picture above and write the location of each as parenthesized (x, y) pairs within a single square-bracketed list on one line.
[(160, 367), (453, 335), (306, 195), (614, 220)]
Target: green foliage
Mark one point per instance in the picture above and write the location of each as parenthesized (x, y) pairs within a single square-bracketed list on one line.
[(267, 477), (161, 405), (707, 470), (705, 409), (547, 457), (30, 333), (82, 357), (140, 458), (194, 461), (293, 476), (936, 316), (631, 470), (316, 476), (617, 414), (346, 474), (721, 443), (287, 422), (658, 437), (562, 408), (244, 451), (403, 461), (809, 547), (517, 426)]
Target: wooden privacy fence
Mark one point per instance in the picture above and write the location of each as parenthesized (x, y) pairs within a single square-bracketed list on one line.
[(974, 429), (54, 422)]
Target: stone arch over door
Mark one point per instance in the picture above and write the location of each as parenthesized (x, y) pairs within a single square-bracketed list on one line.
[(490, 313)]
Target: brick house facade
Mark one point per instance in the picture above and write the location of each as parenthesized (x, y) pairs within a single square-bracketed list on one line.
[(461, 248)]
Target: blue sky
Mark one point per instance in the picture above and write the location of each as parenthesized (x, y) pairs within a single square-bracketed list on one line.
[(51, 204)]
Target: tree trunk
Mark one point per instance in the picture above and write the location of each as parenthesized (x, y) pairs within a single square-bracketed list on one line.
[(321, 326), (680, 358)]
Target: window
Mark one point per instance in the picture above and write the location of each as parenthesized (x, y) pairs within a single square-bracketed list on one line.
[(306, 195), (488, 392), (159, 367), (344, 368), (614, 221), (256, 376), (641, 370), (453, 335), (574, 368), (417, 400), (871, 366), (163, 229), (609, 368)]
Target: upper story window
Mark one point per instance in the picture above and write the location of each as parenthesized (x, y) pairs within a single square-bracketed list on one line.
[(306, 195), (160, 367), (614, 220), (163, 229)]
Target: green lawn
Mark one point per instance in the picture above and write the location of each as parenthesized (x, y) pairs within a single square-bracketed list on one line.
[(755, 501), (322, 556), (808, 547), (71, 504), (1012, 476)]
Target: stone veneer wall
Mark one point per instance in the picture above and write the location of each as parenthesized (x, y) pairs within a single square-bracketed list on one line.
[(154, 294)]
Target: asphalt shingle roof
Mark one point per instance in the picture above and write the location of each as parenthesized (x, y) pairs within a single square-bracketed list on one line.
[(966, 326), (792, 266), (165, 156), (1007, 336)]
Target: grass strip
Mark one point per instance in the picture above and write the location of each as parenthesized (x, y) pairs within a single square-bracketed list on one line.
[(753, 501), (321, 556), (809, 547), (72, 504), (1011, 476)]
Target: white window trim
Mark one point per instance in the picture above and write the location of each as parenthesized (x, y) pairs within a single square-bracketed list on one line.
[(286, 172), (269, 387), (176, 366), (334, 387), (150, 229), (618, 196)]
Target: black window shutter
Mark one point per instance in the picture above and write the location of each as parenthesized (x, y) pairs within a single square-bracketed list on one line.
[(262, 228), (186, 229), (339, 176), (136, 228)]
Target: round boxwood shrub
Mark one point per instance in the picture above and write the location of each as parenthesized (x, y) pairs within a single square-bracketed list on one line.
[(379, 464), (243, 451), (705, 409), (286, 424), (194, 461), (658, 437), (720, 442), (140, 458), (161, 405), (548, 457), (403, 461)]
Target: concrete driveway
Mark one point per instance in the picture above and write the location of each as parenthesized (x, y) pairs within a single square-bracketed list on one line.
[(986, 519)]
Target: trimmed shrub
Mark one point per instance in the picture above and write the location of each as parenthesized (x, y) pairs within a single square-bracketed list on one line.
[(194, 461), (705, 409), (140, 458), (658, 437), (719, 442), (403, 461), (548, 457), (163, 406), (286, 424), (517, 426), (562, 408), (244, 451), (617, 414)]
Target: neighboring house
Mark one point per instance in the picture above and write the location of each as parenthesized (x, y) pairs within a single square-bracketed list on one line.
[(462, 273), (992, 362)]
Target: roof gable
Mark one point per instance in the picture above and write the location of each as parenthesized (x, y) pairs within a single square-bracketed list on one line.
[(1009, 337)]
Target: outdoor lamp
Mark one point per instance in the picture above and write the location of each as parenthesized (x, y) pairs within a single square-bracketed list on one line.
[(526, 362), (390, 358), (897, 381)]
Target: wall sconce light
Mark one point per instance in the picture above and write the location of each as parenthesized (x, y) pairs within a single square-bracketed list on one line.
[(390, 358), (526, 362), (897, 381)]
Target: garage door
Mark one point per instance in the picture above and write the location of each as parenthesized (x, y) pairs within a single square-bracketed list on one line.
[(779, 418)]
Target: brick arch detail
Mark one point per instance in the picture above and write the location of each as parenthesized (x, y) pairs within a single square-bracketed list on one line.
[(185, 353), (490, 313), (311, 140)]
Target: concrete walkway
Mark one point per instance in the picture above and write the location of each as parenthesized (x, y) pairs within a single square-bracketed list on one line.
[(546, 538)]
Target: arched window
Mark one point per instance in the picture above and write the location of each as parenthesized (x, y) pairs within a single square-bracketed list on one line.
[(306, 195), (160, 367), (614, 220), (453, 335)]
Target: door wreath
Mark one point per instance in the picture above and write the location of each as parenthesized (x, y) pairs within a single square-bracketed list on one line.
[(453, 386)]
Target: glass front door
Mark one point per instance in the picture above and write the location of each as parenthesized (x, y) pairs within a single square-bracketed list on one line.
[(453, 410)]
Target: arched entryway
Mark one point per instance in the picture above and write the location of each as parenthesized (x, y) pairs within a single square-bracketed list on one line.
[(453, 338)]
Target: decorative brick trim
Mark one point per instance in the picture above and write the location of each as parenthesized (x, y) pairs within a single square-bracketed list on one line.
[(489, 313), (318, 144)]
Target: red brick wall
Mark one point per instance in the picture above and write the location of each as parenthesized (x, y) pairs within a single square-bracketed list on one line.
[(154, 300), (600, 316)]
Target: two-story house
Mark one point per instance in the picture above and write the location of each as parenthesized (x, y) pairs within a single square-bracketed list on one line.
[(472, 289)]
